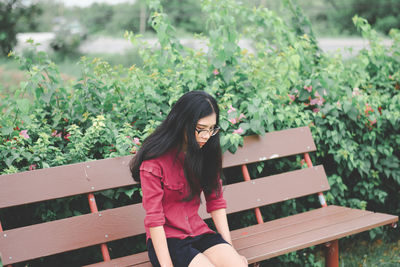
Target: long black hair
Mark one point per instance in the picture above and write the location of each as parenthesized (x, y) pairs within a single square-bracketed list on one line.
[(202, 166)]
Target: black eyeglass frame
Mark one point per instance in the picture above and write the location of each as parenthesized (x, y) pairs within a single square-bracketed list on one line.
[(212, 131)]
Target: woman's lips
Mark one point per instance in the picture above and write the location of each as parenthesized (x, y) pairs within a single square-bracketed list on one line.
[(202, 143)]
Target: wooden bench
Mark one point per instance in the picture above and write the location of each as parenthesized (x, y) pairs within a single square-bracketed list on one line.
[(257, 242)]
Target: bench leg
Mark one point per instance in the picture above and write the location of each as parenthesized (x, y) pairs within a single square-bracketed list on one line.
[(332, 254)]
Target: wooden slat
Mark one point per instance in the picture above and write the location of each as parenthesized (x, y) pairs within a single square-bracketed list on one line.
[(270, 234), (273, 189), (147, 264), (140, 259), (286, 221), (50, 238), (321, 234), (63, 181), (272, 145)]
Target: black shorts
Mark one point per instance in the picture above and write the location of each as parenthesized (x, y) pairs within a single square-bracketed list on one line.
[(183, 251)]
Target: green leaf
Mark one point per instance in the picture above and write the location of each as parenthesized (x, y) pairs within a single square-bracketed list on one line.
[(23, 105), (229, 49), (245, 126), (255, 125), (108, 193), (347, 106), (295, 59), (130, 192), (26, 118), (224, 125), (256, 102), (227, 73), (304, 94), (76, 213), (7, 130), (252, 109), (350, 110)]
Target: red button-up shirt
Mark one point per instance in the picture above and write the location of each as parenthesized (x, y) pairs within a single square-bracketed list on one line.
[(164, 186)]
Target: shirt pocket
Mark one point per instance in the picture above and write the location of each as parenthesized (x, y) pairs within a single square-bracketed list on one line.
[(174, 191)]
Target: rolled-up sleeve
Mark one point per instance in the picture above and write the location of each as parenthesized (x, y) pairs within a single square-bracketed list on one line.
[(150, 178), (215, 200)]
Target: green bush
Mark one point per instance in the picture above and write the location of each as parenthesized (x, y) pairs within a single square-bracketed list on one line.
[(352, 106)]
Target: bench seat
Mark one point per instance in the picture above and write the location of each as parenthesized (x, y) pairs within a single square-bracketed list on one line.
[(278, 237), (140, 260)]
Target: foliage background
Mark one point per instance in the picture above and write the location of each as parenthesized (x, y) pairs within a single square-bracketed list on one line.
[(351, 105), (328, 17)]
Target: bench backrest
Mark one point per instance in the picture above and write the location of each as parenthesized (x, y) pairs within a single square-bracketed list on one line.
[(30, 242)]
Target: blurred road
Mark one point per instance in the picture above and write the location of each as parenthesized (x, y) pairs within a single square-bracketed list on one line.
[(347, 46), (103, 44)]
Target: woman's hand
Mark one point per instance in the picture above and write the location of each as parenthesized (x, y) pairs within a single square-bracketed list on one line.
[(244, 260)]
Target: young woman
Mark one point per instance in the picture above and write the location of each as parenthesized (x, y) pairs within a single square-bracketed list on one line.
[(178, 161)]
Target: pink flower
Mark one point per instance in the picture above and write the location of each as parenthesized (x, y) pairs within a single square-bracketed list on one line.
[(356, 91), (308, 88), (66, 137), (338, 104), (315, 110), (314, 101), (24, 134), (317, 101), (241, 116), (215, 72), (233, 120), (32, 167), (292, 97), (391, 77), (238, 131), (368, 109), (231, 109), (55, 133), (136, 141)]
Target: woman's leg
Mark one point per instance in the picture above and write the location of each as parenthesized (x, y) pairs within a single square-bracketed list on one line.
[(200, 260), (222, 255)]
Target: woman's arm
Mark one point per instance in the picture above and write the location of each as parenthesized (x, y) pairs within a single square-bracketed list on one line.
[(221, 223), (153, 193), (160, 245)]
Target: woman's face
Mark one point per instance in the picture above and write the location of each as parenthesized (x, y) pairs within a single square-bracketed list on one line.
[(204, 129)]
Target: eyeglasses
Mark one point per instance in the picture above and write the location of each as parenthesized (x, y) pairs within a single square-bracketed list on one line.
[(211, 132)]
